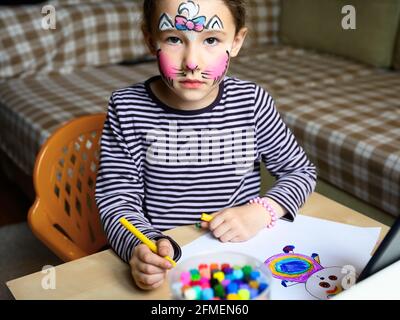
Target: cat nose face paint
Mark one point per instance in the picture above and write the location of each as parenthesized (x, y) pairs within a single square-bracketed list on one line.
[(191, 66), (202, 61)]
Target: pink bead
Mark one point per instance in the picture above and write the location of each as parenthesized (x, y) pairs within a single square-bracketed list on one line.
[(268, 207)]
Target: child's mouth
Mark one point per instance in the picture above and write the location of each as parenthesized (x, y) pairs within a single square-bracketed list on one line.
[(191, 84)]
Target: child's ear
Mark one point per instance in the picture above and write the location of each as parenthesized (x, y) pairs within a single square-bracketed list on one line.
[(238, 41), (149, 40)]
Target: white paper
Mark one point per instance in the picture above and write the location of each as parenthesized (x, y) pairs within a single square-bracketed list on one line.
[(337, 245), (383, 285)]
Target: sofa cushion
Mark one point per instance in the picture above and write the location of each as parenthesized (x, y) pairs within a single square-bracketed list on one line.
[(283, 69), (317, 24), (89, 34), (262, 21), (31, 108), (351, 133)]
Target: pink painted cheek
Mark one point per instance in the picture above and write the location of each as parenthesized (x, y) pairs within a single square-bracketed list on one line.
[(217, 69), (166, 66)]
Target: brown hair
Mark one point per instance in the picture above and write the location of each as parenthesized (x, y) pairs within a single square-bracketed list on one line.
[(236, 7)]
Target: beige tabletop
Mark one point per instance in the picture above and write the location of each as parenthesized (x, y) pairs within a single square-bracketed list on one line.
[(105, 276)]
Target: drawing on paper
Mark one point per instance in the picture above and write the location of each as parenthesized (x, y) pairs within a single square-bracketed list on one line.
[(295, 268)]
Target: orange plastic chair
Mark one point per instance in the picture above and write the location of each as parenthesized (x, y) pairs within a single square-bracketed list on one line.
[(65, 216)]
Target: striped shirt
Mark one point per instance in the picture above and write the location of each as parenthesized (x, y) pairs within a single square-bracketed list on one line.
[(161, 167)]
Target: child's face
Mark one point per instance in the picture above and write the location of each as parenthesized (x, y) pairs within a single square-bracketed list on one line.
[(193, 41)]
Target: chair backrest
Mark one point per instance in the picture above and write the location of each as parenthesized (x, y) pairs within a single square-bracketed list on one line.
[(65, 216)]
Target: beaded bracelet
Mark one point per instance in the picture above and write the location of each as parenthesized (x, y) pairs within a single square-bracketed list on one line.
[(268, 207)]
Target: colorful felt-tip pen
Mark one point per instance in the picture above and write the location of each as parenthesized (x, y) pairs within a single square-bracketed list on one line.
[(143, 238), (206, 217)]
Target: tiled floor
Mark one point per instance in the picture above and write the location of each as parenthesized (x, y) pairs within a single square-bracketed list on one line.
[(14, 205)]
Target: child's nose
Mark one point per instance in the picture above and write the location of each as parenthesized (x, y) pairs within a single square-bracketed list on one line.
[(191, 66), (191, 60)]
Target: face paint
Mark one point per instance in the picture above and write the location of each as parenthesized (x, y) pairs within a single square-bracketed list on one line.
[(167, 69), (187, 20), (215, 23), (191, 66), (217, 71), (191, 35), (165, 23)]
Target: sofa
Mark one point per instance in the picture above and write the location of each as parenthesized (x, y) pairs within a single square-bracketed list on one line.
[(337, 88)]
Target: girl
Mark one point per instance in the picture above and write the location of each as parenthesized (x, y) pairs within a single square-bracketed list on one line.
[(192, 140)]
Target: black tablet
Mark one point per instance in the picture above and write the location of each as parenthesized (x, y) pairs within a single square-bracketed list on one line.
[(387, 253)]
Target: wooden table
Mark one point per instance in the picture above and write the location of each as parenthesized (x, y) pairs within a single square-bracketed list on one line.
[(105, 276)]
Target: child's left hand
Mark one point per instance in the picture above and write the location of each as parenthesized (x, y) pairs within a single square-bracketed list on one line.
[(238, 224)]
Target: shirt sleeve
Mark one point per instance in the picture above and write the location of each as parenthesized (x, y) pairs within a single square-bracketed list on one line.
[(120, 189), (283, 157)]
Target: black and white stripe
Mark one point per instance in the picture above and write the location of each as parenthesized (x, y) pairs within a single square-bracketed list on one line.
[(156, 192)]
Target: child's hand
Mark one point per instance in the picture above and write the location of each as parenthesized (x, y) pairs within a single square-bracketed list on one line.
[(149, 269), (238, 224)]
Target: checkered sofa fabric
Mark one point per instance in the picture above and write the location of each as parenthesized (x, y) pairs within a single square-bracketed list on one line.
[(262, 21), (282, 69), (351, 131), (345, 114), (85, 35), (32, 108)]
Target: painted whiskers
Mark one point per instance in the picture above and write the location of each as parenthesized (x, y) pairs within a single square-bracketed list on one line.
[(218, 73), (187, 20)]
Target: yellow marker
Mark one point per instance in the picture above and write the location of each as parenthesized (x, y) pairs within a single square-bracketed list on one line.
[(143, 238), (206, 217)]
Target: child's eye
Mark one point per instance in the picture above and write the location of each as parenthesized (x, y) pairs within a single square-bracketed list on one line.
[(211, 41), (173, 40)]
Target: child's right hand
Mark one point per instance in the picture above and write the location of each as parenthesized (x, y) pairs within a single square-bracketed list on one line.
[(149, 269)]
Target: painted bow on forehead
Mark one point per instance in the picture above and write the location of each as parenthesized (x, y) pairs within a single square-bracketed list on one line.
[(197, 24), (191, 22), (187, 19)]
